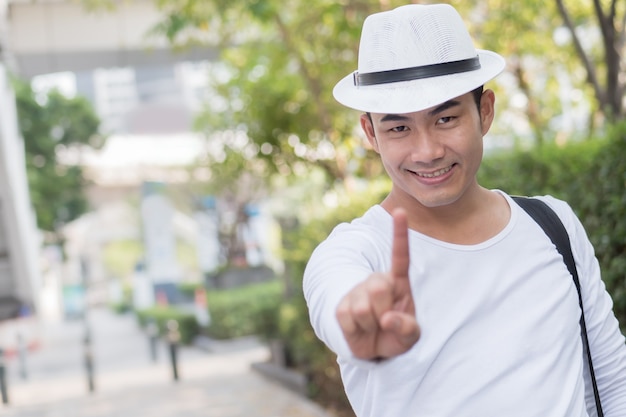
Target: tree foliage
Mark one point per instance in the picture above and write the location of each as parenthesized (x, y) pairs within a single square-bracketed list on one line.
[(49, 124), (238, 182), (608, 58), (556, 53), (281, 60)]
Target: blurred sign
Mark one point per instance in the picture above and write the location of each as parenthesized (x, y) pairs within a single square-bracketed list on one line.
[(159, 240), (207, 245), (73, 300), (143, 291)]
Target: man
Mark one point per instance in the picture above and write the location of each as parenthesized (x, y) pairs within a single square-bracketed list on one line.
[(466, 308)]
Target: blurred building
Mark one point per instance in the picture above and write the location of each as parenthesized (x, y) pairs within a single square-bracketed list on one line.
[(19, 273), (146, 96), (136, 82), (51, 36), (144, 93)]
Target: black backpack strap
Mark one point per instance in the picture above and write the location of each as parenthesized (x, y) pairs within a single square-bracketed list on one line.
[(553, 227)]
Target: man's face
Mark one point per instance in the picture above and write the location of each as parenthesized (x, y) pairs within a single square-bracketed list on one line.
[(432, 155)]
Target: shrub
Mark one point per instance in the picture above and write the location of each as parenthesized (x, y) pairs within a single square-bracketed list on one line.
[(602, 204), (160, 315), (244, 311), (551, 169)]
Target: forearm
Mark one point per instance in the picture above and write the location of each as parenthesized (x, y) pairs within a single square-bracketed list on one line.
[(607, 344)]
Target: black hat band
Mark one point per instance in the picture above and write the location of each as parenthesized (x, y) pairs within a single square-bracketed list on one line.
[(415, 73)]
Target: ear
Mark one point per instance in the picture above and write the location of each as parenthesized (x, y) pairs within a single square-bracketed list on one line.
[(368, 128), (487, 110)]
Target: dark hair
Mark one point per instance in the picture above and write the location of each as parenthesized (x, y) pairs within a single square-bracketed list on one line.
[(477, 93)]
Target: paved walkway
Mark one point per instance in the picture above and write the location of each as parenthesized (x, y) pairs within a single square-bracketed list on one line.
[(217, 383)]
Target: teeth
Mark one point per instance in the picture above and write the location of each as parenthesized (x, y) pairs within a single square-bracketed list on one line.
[(436, 173)]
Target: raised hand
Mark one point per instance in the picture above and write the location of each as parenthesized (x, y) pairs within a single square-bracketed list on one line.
[(377, 316)]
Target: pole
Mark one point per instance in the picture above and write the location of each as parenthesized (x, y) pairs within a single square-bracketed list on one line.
[(89, 359), (88, 348), (153, 333), (173, 337), (3, 379), (21, 351)]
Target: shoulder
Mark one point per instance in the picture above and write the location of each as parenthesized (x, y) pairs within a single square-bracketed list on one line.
[(566, 215), (579, 239), (371, 226), (368, 234), (349, 254), (563, 210), (560, 207), (373, 222)]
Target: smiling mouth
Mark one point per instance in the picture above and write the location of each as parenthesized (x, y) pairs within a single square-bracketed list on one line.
[(435, 174)]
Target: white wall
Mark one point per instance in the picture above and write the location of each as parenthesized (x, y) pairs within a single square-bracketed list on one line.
[(62, 26), (20, 274), (47, 36)]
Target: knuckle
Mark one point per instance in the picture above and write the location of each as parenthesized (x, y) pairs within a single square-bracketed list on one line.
[(343, 313), (361, 310), (379, 282), (380, 288)]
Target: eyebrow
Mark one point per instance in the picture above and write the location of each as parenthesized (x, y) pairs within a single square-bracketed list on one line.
[(394, 118), (402, 118), (443, 107)]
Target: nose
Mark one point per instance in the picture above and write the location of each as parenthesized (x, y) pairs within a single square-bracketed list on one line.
[(426, 148)]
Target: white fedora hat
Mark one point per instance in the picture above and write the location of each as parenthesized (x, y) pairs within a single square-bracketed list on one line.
[(415, 57)]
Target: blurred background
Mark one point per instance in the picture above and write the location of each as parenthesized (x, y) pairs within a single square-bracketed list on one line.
[(167, 167)]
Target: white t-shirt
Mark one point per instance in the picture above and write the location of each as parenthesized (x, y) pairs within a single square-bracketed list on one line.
[(499, 320)]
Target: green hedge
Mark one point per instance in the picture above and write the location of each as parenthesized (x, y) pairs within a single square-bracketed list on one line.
[(187, 324), (249, 310), (602, 205), (244, 311)]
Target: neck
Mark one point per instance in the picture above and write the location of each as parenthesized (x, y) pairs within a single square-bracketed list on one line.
[(477, 216)]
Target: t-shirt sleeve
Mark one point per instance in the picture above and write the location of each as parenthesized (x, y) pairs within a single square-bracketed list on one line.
[(335, 267), (607, 345)]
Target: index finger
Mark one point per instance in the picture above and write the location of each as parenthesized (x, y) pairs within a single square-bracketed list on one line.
[(400, 248)]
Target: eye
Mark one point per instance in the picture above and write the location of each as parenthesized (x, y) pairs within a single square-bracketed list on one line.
[(445, 119), (399, 129)]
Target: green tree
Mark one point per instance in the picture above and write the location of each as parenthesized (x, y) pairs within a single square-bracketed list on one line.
[(522, 34), (49, 124), (272, 119), (238, 182), (556, 52), (278, 64), (282, 60), (608, 57)]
